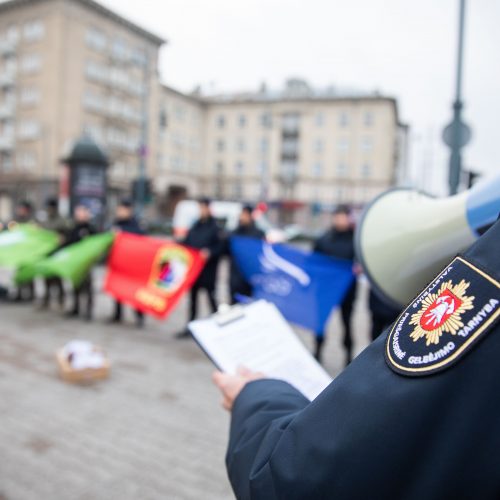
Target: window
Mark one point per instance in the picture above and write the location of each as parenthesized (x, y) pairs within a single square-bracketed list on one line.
[(28, 129), (343, 119), (10, 65), (238, 167), (291, 122), (261, 168), (317, 170), (31, 63), (343, 144), (26, 160), (30, 96), (119, 49), (319, 120), (242, 121), (240, 145), (8, 128), (368, 119), (221, 121), (366, 144), (366, 170), (266, 119), (7, 163), (318, 145), (34, 31), (12, 33), (290, 147), (237, 191), (220, 145), (341, 169), (219, 168), (264, 145), (96, 39)]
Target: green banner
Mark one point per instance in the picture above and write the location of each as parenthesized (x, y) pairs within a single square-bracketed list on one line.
[(25, 245), (74, 261)]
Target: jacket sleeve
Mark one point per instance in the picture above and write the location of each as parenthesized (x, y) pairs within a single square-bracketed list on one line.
[(260, 415)]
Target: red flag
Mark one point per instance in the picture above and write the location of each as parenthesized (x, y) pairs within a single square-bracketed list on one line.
[(149, 274)]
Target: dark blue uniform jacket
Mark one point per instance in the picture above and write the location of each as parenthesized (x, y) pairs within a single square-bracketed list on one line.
[(376, 434)]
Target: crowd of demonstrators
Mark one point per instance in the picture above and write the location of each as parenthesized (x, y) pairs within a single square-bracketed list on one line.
[(205, 235), (338, 241), (238, 285), (126, 221)]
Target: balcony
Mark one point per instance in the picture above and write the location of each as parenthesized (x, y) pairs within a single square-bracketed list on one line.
[(6, 143), (6, 111), (7, 80), (7, 47)]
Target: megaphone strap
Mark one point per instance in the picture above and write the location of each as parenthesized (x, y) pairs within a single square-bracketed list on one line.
[(445, 321)]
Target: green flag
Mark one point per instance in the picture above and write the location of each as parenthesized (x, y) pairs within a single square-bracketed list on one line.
[(74, 261), (25, 245)]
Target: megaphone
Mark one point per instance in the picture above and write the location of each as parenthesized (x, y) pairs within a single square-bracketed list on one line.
[(405, 237)]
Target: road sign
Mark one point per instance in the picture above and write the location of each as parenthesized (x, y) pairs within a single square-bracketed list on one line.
[(464, 135)]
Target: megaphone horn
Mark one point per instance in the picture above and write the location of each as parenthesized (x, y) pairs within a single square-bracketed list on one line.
[(405, 237)]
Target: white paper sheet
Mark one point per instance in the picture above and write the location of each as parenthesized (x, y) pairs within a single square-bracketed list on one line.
[(261, 340)]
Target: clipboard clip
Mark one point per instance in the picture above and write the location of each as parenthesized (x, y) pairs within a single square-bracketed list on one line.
[(227, 314)]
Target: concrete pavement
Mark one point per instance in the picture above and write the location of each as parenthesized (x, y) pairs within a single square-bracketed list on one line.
[(153, 430)]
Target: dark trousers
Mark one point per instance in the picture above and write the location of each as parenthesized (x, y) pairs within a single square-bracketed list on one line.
[(119, 313), (193, 305), (50, 285), (26, 291), (346, 308), (84, 292)]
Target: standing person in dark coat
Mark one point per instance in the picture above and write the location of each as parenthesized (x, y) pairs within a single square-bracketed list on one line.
[(338, 242), (82, 227), (25, 214), (127, 222), (409, 419), (238, 285), (61, 225), (205, 236)]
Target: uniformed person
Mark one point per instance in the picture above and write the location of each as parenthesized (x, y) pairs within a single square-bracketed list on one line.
[(238, 285), (126, 221), (338, 242), (54, 221), (415, 416), (205, 236)]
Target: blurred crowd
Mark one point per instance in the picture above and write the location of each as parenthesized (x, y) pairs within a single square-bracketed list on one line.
[(207, 235)]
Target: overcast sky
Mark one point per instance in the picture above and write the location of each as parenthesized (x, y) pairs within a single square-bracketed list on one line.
[(404, 48)]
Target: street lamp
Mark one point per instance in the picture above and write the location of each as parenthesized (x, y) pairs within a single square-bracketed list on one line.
[(457, 134)]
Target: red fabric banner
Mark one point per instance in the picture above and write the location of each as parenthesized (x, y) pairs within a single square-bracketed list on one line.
[(150, 274)]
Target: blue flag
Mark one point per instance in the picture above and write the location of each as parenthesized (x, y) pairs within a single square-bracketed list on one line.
[(304, 286)]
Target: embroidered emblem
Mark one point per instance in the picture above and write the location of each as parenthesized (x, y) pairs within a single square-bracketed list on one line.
[(444, 321)]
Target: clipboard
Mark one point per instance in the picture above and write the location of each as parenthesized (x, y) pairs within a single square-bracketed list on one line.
[(257, 336)]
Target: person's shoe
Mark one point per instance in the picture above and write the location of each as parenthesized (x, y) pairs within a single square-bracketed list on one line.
[(113, 320), (183, 334), (71, 314)]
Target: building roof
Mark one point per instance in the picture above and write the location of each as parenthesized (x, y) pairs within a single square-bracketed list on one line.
[(97, 7)]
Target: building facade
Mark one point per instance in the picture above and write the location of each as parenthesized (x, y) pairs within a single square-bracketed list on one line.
[(69, 67), (296, 146)]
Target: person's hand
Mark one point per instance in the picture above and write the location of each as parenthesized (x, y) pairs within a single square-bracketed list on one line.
[(231, 385), (205, 253), (357, 269)]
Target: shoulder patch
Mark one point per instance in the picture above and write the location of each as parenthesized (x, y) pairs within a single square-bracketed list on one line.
[(445, 321)]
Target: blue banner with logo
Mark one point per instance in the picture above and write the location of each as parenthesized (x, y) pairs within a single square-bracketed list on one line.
[(305, 286)]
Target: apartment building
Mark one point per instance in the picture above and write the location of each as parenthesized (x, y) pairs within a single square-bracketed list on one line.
[(68, 67), (73, 66), (294, 146)]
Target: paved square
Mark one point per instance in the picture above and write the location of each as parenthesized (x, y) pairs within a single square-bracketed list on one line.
[(153, 430)]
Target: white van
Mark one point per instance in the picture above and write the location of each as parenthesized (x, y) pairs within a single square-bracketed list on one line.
[(227, 214)]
